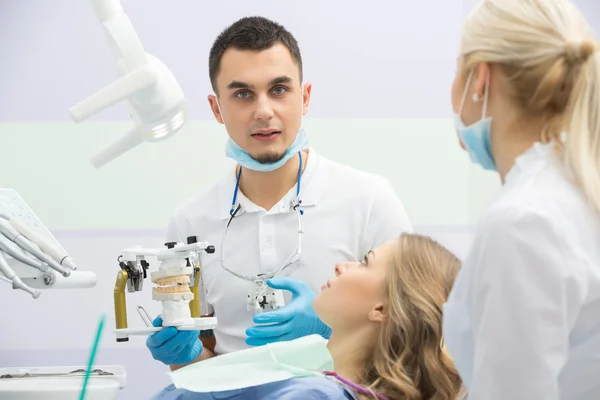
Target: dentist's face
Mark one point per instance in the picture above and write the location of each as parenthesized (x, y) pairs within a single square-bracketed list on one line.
[(261, 100)]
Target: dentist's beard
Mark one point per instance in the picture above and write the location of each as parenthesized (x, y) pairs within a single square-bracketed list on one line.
[(268, 157)]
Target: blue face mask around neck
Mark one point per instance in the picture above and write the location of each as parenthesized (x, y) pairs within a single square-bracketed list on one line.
[(476, 137), (236, 153)]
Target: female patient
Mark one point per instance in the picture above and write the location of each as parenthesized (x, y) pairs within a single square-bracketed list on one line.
[(386, 320)]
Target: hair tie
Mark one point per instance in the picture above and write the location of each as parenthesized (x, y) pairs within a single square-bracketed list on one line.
[(577, 53)]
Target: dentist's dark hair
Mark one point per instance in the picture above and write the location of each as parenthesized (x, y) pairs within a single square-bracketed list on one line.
[(251, 33)]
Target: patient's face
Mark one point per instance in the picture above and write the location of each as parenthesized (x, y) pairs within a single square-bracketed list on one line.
[(355, 296)]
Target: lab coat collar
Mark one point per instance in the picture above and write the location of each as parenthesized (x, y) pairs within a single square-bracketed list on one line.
[(536, 155), (312, 185)]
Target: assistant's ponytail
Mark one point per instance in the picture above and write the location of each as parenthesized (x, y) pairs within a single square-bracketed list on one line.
[(582, 142), (547, 51)]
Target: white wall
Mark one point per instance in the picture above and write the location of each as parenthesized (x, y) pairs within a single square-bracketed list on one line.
[(381, 72)]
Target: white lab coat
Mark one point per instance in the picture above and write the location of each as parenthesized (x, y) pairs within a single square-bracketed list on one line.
[(523, 319)]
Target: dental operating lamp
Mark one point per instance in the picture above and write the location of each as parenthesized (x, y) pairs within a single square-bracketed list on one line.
[(153, 97), (30, 257)]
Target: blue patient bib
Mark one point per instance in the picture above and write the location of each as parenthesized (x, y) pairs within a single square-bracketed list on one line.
[(290, 389)]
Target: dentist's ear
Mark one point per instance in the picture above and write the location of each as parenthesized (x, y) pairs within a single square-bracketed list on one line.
[(306, 91), (215, 107)]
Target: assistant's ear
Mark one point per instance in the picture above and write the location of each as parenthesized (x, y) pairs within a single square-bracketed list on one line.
[(378, 313), (480, 79), (214, 107), (306, 91)]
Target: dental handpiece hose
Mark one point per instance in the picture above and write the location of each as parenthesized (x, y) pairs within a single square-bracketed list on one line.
[(16, 252), (11, 233), (57, 253), (17, 283)]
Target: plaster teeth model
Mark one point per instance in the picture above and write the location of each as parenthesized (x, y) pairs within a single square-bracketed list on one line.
[(174, 284), (173, 289)]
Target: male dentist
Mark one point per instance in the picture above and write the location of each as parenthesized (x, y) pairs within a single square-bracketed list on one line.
[(255, 68)]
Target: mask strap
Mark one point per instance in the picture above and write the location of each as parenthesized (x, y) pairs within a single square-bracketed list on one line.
[(464, 96), (485, 96)]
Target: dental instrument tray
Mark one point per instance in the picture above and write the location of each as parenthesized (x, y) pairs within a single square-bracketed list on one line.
[(81, 371), (115, 372)]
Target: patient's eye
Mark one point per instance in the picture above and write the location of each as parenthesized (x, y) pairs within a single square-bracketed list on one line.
[(365, 260)]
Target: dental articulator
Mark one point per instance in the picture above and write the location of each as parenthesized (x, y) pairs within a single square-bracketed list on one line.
[(178, 285)]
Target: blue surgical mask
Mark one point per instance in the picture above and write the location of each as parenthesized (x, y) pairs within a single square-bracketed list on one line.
[(476, 137), (236, 153)]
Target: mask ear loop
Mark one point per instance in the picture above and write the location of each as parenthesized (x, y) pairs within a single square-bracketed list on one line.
[(464, 96), (485, 96)]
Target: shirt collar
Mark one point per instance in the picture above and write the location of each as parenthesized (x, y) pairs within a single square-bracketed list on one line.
[(536, 155), (312, 185)]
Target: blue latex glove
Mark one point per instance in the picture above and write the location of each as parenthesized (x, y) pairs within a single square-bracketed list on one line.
[(171, 346), (293, 321)]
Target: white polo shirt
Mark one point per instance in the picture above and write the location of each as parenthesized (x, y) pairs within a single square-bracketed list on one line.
[(346, 213)]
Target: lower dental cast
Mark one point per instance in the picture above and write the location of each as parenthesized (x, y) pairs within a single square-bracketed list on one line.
[(173, 280)]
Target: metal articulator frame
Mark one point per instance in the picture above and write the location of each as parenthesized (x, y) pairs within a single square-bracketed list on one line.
[(195, 302), (121, 303)]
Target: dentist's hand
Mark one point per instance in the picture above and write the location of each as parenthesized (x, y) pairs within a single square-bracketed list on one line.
[(171, 346), (293, 321)]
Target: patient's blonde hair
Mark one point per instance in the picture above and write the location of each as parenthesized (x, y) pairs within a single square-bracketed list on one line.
[(410, 361), (548, 53)]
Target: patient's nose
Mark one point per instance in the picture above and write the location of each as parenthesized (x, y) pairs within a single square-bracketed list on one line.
[(340, 268)]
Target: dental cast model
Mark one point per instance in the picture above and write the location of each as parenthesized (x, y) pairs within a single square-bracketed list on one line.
[(173, 280)]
